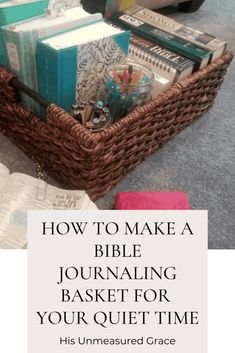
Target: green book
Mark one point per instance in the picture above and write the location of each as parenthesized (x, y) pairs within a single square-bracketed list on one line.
[(12, 11), (199, 55)]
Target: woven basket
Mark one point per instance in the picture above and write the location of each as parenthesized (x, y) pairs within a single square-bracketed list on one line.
[(82, 159)]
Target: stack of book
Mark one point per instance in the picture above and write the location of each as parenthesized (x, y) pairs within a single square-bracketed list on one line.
[(66, 68), (13, 11), (21, 43), (172, 50), (63, 54)]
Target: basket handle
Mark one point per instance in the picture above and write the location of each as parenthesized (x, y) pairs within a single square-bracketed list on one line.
[(18, 85)]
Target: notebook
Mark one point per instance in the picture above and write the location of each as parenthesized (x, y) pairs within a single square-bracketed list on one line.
[(21, 41), (152, 200), (71, 65), (18, 10)]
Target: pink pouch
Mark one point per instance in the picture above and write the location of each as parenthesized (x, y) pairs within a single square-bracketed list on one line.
[(152, 200)]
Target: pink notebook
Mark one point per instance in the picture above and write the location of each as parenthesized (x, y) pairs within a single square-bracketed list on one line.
[(152, 200)]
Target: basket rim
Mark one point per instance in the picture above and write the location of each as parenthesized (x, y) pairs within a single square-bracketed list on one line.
[(58, 117), (173, 91), (120, 125)]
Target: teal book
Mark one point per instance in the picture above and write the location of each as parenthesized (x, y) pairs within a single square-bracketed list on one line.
[(71, 65), (13, 11), (20, 41), (170, 41)]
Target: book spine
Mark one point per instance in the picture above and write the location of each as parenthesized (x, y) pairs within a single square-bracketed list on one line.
[(157, 66), (56, 72), (190, 34), (162, 55), (48, 73), (67, 78), (160, 58), (2, 17), (30, 75), (11, 48), (28, 72), (191, 51), (15, 43), (3, 57)]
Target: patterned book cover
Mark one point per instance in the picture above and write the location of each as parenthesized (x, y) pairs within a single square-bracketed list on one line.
[(152, 200), (21, 41), (92, 59), (74, 72), (11, 12)]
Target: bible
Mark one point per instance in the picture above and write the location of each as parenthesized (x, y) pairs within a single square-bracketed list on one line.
[(19, 193)]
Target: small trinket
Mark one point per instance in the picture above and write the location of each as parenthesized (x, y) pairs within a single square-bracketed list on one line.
[(93, 115)]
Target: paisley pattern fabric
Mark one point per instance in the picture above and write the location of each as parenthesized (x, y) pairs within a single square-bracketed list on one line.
[(92, 60)]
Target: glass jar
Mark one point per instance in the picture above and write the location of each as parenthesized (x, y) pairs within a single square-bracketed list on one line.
[(125, 86)]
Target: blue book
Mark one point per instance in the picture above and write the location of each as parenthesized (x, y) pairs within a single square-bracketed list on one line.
[(71, 65), (21, 41), (12, 11)]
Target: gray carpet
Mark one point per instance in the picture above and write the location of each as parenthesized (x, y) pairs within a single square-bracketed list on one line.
[(200, 160)]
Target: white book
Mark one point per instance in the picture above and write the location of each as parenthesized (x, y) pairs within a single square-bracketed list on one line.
[(20, 193)]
